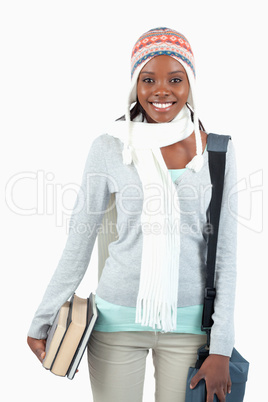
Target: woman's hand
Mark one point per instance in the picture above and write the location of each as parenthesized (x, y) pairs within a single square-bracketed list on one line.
[(215, 371), (38, 346)]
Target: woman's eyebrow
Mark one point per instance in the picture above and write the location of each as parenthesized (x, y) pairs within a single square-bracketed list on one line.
[(176, 72), (147, 72)]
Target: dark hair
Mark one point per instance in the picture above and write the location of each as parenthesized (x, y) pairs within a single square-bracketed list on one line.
[(201, 127), (138, 109), (134, 112)]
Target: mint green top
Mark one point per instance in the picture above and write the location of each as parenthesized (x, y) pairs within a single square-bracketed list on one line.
[(115, 318)]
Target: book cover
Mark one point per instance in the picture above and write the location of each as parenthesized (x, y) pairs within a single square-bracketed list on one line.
[(92, 315), (56, 334), (76, 325), (69, 335)]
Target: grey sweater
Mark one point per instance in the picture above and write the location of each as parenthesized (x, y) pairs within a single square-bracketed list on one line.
[(105, 174)]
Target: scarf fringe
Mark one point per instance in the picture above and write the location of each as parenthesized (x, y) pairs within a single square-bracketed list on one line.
[(157, 315)]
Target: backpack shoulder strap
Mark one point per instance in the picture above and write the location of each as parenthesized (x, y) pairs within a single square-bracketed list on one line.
[(217, 146), (217, 142)]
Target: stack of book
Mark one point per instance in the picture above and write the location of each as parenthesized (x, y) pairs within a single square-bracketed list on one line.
[(69, 335)]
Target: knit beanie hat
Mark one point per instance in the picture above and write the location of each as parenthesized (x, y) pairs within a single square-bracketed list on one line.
[(157, 42)]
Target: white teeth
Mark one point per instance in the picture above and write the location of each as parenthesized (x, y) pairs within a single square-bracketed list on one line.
[(162, 105)]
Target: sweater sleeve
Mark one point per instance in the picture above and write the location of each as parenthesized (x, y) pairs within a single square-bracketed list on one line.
[(222, 332), (91, 202)]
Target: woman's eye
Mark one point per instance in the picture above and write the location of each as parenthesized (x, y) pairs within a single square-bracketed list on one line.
[(148, 80), (176, 80)]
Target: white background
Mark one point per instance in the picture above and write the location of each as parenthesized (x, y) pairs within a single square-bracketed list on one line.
[(64, 75)]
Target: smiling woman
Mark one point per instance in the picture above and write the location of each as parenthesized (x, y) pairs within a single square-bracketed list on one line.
[(162, 89), (151, 288)]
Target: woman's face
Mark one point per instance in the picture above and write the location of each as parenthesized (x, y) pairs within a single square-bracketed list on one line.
[(162, 89)]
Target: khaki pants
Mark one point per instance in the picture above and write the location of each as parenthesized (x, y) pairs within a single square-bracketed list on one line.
[(117, 364)]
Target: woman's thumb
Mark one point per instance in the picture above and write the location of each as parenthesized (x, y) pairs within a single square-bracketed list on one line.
[(195, 380), (40, 353)]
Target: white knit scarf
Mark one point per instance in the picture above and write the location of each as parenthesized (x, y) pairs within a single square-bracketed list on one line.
[(160, 219)]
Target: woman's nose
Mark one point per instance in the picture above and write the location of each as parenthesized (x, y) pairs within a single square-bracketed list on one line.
[(161, 89)]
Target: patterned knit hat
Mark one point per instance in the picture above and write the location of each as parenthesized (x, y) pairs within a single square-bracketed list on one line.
[(161, 41), (165, 41)]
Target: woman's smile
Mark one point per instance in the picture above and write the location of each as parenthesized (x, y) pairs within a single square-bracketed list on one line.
[(162, 106)]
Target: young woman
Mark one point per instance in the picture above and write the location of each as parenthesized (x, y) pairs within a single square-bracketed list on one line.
[(150, 294)]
